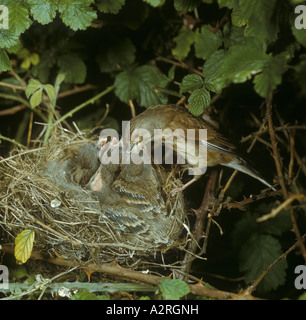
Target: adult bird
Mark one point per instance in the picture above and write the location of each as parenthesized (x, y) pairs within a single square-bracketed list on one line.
[(219, 150)]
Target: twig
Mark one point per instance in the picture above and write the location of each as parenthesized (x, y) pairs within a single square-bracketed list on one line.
[(13, 141), (12, 86), (132, 107), (76, 90), (240, 205), (12, 110), (105, 115), (201, 214), (275, 151), (30, 129), (81, 106), (274, 212), (291, 162), (182, 65), (115, 269)]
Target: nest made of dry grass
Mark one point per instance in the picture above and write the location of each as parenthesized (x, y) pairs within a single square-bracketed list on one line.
[(68, 222)]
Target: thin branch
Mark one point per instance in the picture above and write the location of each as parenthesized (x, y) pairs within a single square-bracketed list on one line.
[(13, 110), (76, 90), (182, 65), (275, 212), (115, 269), (275, 151), (201, 214)]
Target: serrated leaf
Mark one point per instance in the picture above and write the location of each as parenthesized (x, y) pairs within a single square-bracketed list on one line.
[(260, 18), (191, 82), (198, 101), (243, 61), (117, 55), (5, 63), (73, 67), (50, 91), (43, 11), (256, 254), (140, 84), (183, 41), (77, 14), (36, 98), (173, 289), (110, 6), (300, 35), (210, 85), (24, 245), (207, 42), (19, 20), (155, 3), (32, 86), (8, 39), (271, 77), (186, 5)]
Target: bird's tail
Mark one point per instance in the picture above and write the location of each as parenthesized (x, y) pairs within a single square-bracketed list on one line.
[(241, 165)]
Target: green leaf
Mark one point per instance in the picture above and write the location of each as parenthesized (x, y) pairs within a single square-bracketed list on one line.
[(256, 254), (183, 41), (198, 101), (191, 82), (260, 18), (155, 3), (77, 14), (243, 61), (140, 84), (212, 68), (186, 5), (19, 19), (110, 6), (210, 85), (173, 289), (86, 295), (117, 55), (206, 42), (42, 70), (73, 67), (32, 86), (8, 39), (271, 77), (36, 98), (300, 35), (43, 11), (50, 91), (5, 63), (24, 245)]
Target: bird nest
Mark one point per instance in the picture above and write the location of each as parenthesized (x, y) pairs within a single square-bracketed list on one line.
[(44, 190)]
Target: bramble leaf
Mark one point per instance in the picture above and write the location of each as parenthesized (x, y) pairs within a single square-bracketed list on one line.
[(191, 82), (198, 101), (77, 14), (141, 84), (73, 67), (173, 289), (43, 11), (5, 63)]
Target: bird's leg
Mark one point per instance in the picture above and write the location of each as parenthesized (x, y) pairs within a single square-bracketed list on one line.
[(179, 189)]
